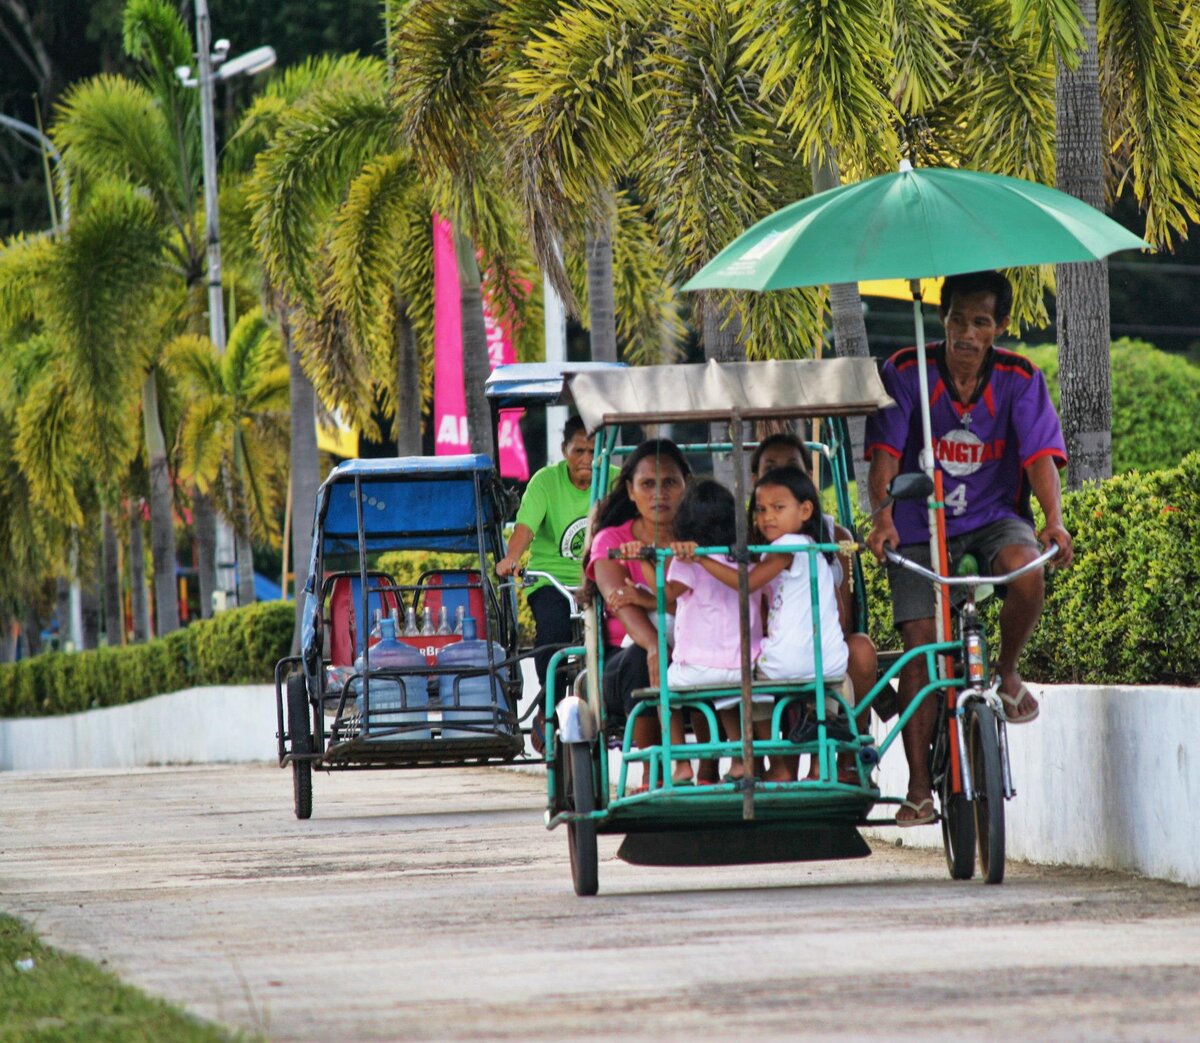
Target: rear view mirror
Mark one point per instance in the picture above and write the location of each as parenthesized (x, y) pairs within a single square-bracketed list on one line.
[(915, 486)]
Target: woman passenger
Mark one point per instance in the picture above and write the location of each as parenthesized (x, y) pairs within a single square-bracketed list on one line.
[(640, 508)]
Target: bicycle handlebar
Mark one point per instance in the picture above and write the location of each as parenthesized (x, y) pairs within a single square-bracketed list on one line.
[(970, 581), (526, 576)]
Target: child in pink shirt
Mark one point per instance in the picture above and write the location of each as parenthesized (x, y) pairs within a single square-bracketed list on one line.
[(708, 639)]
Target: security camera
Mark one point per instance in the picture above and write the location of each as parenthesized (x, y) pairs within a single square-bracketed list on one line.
[(184, 72), (221, 46), (258, 60)]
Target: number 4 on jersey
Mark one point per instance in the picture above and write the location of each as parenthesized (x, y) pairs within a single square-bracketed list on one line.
[(957, 499)]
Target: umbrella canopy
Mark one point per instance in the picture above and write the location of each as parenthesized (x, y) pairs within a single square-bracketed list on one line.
[(914, 224)]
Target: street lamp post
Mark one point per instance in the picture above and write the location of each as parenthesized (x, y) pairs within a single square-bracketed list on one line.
[(214, 64)]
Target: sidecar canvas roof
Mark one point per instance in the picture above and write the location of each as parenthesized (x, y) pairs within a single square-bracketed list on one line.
[(711, 391)]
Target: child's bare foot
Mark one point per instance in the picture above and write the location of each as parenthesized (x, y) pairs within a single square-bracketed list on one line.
[(736, 772)]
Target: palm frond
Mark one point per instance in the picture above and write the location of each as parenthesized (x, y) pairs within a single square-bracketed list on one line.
[(922, 33), (304, 173), (829, 61), (47, 444), (25, 262), (111, 127), (193, 361), (1002, 104), (103, 278), (649, 328), (1150, 82), (1057, 25), (442, 86), (263, 117), (581, 114), (368, 247), (718, 163)]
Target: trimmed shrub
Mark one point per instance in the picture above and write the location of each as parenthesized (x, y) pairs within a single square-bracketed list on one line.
[(1156, 402), (240, 646)]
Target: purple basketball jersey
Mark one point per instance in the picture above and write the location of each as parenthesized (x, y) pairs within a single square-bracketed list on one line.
[(982, 448)]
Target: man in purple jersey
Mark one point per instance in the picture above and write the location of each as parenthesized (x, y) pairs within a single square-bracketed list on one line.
[(996, 439)]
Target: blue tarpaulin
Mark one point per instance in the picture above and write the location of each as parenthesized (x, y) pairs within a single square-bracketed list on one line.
[(411, 503)]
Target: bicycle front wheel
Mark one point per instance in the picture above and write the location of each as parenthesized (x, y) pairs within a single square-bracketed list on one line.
[(983, 750)]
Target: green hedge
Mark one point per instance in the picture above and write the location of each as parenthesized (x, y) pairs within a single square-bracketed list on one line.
[(1156, 402), (240, 646), (1128, 610)]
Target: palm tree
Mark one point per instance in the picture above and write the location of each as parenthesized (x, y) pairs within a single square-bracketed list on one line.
[(77, 431), (232, 437), (147, 134), (258, 126)]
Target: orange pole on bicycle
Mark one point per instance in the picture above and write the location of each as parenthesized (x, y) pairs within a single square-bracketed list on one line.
[(943, 566)]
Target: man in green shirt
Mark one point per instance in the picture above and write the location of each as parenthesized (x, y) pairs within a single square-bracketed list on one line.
[(552, 524)]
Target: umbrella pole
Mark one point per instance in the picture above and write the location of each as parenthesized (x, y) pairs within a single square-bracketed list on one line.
[(927, 465)]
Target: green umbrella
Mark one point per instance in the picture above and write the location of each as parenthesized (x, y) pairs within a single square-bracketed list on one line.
[(914, 224)]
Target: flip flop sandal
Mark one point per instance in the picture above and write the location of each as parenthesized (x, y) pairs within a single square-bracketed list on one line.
[(1011, 702), (918, 819)]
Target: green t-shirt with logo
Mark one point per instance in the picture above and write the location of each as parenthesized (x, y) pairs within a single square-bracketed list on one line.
[(556, 512)]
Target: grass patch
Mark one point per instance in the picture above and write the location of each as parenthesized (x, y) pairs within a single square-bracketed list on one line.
[(62, 999)]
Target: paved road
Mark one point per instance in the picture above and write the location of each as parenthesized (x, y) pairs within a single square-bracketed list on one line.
[(435, 905)]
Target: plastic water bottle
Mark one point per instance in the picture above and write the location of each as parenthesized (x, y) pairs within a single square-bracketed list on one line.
[(394, 702), (476, 694), (444, 623), (410, 622)]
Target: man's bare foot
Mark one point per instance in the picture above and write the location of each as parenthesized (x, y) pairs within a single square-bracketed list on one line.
[(682, 774), (917, 810), (1019, 704), (778, 774)]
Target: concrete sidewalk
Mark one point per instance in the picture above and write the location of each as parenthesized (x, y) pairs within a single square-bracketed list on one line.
[(435, 905)]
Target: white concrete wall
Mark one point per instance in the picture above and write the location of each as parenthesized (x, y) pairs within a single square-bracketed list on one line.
[(196, 726), (1107, 776)]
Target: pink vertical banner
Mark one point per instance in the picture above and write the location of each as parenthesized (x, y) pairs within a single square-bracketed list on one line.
[(449, 397)]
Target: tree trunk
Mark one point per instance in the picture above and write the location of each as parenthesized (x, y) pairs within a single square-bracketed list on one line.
[(114, 619), (89, 578), (162, 514), (62, 609), (204, 528), (246, 594), (723, 343), (1084, 373), (33, 634), (306, 468), (408, 385), (602, 312), (138, 602), (476, 365), (849, 326), (305, 465)]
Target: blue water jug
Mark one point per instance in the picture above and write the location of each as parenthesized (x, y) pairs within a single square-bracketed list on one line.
[(395, 702), (475, 694)]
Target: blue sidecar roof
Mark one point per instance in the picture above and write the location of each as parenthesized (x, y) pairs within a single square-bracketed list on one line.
[(412, 503)]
